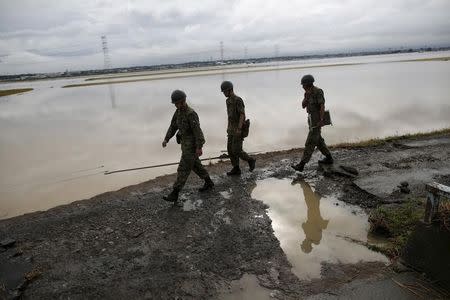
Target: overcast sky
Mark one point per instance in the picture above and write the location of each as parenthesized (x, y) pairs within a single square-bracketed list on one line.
[(55, 35)]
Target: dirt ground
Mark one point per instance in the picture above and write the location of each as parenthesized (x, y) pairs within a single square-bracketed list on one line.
[(132, 244)]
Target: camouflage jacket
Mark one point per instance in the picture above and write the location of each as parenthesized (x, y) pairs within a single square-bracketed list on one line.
[(315, 98), (235, 107), (186, 122)]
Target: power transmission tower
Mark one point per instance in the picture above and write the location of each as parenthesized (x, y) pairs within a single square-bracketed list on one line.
[(106, 59), (221, 51), (107, 65)]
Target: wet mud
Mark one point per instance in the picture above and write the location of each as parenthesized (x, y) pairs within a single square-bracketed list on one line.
[(272, 233)]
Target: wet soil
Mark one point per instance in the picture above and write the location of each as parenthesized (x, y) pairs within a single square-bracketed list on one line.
[(130, 243)]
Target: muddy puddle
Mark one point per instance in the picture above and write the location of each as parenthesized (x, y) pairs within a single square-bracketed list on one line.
[(314, 229), (246, 288)]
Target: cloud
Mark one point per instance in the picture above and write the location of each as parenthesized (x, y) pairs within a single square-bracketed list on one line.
[(67, 33)]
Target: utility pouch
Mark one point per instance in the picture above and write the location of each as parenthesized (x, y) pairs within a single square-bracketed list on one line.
[(327, 118), (245, 128)]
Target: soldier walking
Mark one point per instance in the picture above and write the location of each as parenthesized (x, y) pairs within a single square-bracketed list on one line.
[(314, 102), (236, 118), (185, 121)]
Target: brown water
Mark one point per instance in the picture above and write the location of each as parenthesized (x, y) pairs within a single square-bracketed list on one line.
[(312, 229), (56, 143)]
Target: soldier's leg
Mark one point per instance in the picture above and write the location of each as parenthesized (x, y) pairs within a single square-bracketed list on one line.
[(231, 151), (199, 169), (310, 144), (238, 148), (325, 151), (184, 169)]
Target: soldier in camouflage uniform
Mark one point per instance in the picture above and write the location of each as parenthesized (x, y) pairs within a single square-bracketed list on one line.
[(185, 121), (314, 102), (236, 118)]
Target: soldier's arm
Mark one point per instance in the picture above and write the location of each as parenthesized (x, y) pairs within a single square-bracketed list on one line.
[(241, 112), (172, 128), (321, 102), (194, 122)]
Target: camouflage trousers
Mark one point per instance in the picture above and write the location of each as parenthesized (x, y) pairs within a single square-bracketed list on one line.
[(234, 148), (189, 162), (314, 140)]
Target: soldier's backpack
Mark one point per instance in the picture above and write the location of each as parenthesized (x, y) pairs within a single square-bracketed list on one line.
[(245, 128)]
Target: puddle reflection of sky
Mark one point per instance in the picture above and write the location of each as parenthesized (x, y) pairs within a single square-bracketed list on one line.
[(311, 229)]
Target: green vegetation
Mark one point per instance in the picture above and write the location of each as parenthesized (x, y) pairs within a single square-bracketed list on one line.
[(396, 222), (14, 91), (390, 139)]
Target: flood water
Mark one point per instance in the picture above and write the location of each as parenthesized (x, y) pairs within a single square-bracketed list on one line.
[(57, 142), (313, 230)]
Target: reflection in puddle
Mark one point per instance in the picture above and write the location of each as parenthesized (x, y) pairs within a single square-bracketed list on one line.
[(311, 229), (246, 288)]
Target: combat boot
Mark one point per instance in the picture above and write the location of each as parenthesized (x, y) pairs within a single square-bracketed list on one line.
[(173, 196), (251, 164), (236, 171), (209, 184), (327, 160), (299, 167)]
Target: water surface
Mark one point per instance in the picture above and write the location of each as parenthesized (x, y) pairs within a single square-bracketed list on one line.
[(56, 143)]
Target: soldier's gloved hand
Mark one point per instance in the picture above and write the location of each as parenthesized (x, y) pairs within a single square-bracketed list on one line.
[(320, 124), (164, 144), (199, 152)]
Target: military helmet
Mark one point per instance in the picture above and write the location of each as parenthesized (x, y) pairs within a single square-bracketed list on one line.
[(226, 85), (178, 95), (307, 79)]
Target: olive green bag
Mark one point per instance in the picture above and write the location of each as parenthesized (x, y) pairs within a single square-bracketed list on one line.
[(327, 118)]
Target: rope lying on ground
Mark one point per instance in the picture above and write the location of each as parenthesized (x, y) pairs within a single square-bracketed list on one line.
[(223, 156)]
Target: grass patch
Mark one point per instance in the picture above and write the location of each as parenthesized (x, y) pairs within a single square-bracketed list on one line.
[(396, 222), (14, 91), (444, 215), (390, 139)]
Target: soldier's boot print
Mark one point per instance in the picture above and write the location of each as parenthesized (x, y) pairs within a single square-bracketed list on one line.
[(299, 167), (236, 171), (327, 160), (173, 196), (251, 164), (209, 184)]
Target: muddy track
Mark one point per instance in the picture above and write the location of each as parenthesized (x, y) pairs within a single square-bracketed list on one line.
[(130, 243)]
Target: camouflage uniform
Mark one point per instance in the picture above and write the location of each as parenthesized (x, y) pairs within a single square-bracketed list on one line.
[(315, 99), (186, 122), (235, 107)]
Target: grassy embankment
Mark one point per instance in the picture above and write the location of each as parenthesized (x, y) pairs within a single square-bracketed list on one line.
[(397, 221), (14, 91), (383, 141)]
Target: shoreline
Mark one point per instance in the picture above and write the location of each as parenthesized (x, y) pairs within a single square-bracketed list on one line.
[(130, 243), (182, 73)]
